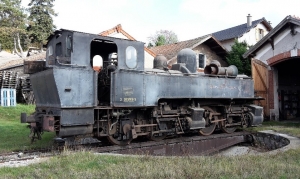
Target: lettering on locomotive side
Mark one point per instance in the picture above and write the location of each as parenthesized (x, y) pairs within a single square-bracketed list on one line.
[(126, 100), (127, 91), (127, 94)]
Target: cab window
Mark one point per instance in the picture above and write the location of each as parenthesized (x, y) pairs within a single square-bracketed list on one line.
[(131, 57)]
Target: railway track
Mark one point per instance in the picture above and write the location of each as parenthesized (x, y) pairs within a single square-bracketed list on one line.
[(189, 145), (186, 145)]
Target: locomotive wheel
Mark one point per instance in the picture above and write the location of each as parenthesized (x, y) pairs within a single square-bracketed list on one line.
[(247, 120), (209, 126), (115, 141), (116, 138), (225, 129)]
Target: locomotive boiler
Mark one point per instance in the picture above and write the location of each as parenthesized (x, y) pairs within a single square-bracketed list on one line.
[(97, 86)]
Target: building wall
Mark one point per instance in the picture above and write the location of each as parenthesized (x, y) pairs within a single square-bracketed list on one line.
[(251, 37), (227, 44), (148, 60), (118, 35), (286, 45), (283, 42), (210, 55)]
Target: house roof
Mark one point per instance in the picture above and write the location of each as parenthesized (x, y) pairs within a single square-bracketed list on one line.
[(240, 30), (119, 29), (20, 61), (170, 51), (286, 22)]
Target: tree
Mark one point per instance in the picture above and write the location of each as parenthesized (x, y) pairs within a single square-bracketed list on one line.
[(235, 57), (162, 37), (40, 21), (12, 26), (161, 40)]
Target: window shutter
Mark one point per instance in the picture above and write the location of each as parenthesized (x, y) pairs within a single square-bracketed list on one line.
[(257, 34)]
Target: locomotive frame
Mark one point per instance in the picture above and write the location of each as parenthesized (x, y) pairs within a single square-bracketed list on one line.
[(97, 86)]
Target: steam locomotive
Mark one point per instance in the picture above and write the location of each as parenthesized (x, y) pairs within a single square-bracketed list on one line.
[(97, 86)]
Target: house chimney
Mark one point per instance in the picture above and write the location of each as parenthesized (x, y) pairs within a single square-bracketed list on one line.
[(249, 20)]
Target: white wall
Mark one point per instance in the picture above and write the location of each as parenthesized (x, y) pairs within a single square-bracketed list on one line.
[(250, 37), (283, 42), (227, 44), (118, 35), (148, 60)]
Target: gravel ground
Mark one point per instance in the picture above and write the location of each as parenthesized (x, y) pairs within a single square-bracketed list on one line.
[(13, 163)]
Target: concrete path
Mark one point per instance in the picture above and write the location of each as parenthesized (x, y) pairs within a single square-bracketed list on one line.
[(241, 150)]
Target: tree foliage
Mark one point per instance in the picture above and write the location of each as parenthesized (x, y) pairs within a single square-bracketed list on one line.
[(235, 57), (40, 20), (162, 37), (12, 25)]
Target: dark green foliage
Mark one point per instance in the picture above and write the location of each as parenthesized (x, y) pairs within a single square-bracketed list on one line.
[(161, 40), (235, 57), (40, 20)]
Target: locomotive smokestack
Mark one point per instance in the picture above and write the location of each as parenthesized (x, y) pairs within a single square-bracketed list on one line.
[(249, 20)]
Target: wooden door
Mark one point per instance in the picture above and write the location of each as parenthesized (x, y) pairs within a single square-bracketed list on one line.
[(260, 77)]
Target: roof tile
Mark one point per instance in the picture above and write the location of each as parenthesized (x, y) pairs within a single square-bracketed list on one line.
[(171, 50), (238, 31)]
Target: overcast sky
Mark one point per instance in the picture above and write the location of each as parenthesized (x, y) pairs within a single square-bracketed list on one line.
[(187, 18)]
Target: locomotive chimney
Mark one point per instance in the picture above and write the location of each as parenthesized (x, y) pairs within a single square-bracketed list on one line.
[(249, 20)]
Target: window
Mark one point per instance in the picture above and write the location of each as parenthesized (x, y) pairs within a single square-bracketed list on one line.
[(58, 49), (260, 33), (201, 60), (49, 51), (68, 46), (131, 57)]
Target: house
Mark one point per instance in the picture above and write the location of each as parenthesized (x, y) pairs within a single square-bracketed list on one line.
[(251, 32), (207, 47), (118, 32), (275, 69)]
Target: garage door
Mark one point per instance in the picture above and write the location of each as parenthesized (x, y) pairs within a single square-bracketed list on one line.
[(259, 75)]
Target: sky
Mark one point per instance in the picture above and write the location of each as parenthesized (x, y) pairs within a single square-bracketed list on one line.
[(187, 18)]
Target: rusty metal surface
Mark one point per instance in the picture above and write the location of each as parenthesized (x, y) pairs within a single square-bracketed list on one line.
[(48, 123), (197, 145), (31, 67), (75, 130)]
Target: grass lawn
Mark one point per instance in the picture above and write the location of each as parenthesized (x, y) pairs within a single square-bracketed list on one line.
[(14, 135), (88, 165)]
